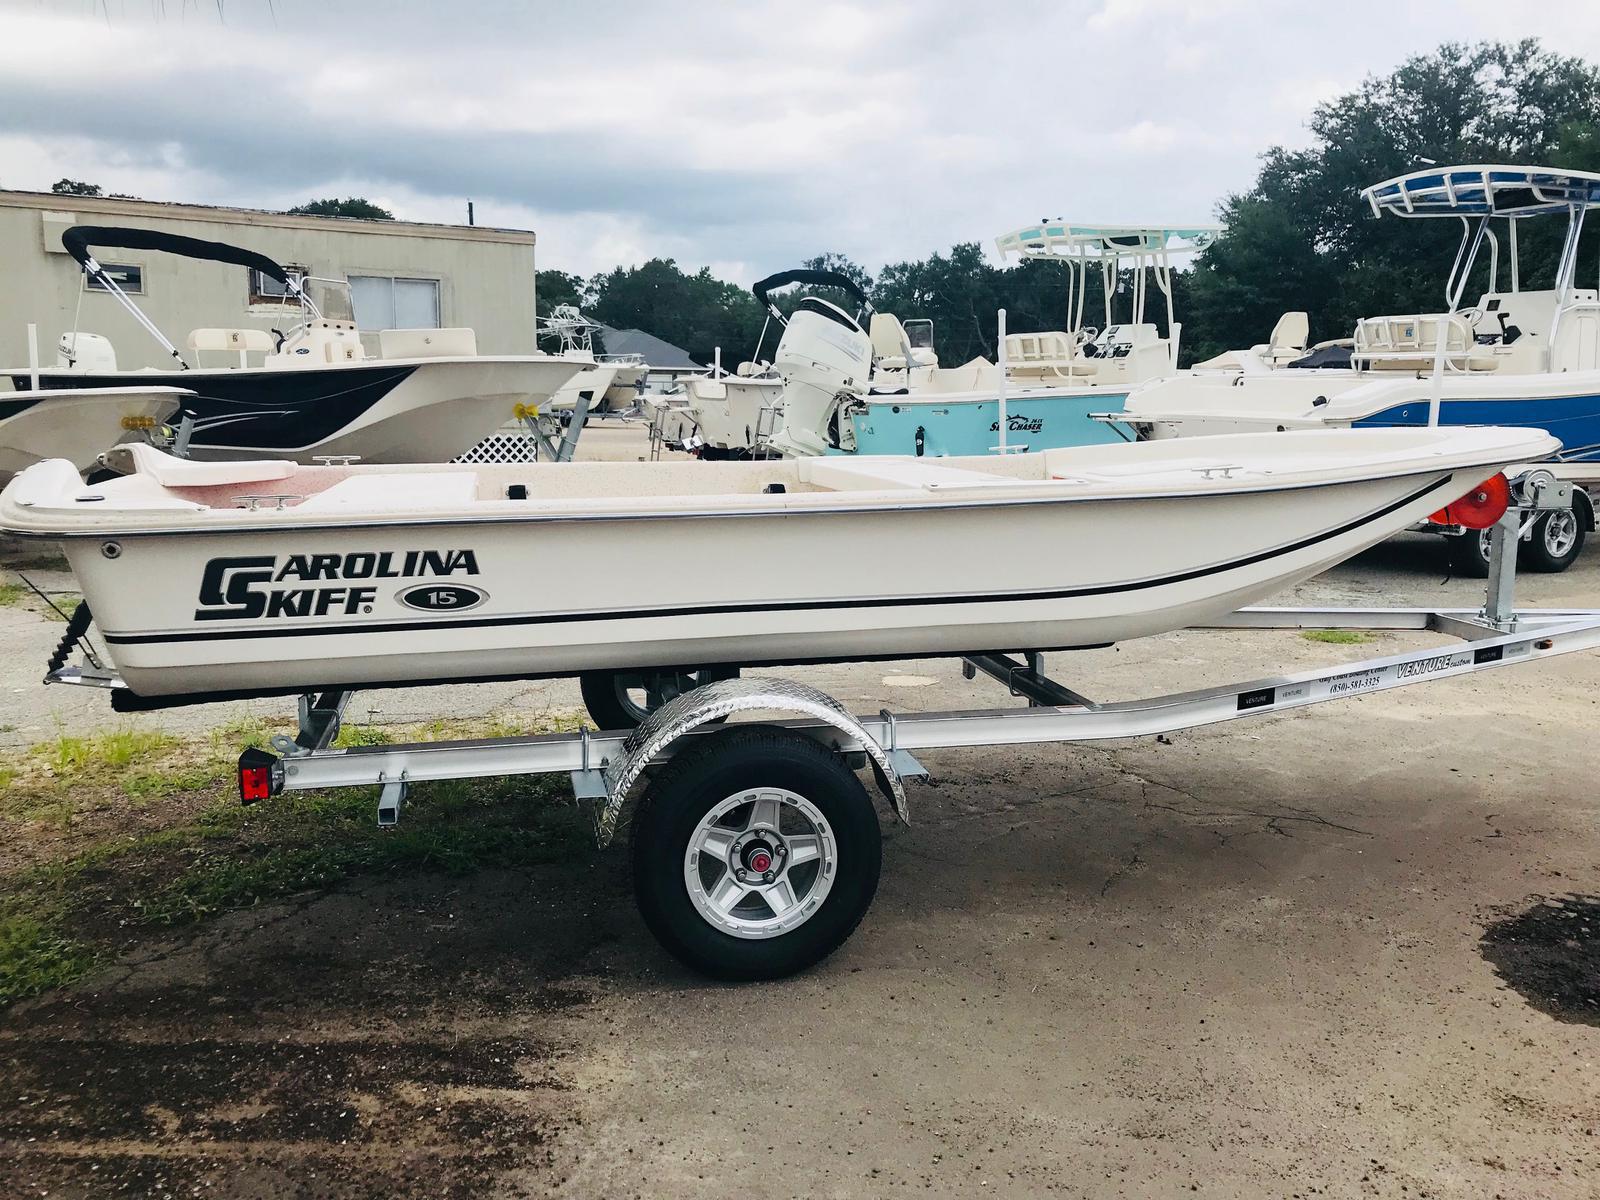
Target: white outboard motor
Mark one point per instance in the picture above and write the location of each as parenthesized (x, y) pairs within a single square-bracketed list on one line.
[(85, 352), (825, 358)]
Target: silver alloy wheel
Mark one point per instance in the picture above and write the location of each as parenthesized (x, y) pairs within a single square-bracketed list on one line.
[(760, 863), (1560, 532)]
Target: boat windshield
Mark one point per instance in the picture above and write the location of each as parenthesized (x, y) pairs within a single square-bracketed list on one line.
[(919, 333), (331, 297)]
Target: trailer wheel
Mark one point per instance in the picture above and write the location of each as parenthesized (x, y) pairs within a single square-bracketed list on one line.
[(1469, 553), (621, 699), (755, 854), (1556, 542)]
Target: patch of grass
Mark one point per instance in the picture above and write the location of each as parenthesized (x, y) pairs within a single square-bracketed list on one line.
[(170, 781), (361, 735), (307, 840), (58, 917), (72, 755), (63, 608), (228, 740), (1339, 637), (11, 594), (36, 955)]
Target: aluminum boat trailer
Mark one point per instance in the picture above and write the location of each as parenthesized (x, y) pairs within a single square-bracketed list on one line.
[(756, 849)]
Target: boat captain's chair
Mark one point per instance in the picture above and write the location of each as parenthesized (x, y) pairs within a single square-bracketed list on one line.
[(1288, 340), (231, 341), (890, 344)]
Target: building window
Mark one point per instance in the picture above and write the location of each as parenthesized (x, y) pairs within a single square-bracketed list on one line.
[(264, 289), (125, 275), (387, 302)]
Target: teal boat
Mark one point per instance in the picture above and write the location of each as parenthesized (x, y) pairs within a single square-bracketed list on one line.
[(1055, 381)]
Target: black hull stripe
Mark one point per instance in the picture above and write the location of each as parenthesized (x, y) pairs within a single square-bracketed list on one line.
[(144, 639), (259, 411)]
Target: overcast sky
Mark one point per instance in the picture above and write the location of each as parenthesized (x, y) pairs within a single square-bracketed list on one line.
[(746, 136)]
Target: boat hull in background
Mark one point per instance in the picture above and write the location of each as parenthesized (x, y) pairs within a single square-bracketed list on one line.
[(1564, 404), (969, 423), (77, 425), (386, 411)]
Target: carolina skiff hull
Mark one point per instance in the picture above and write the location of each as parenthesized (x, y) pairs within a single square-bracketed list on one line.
[(293, 600)]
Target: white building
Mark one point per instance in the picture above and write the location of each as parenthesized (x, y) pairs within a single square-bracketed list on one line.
[(402, 275)]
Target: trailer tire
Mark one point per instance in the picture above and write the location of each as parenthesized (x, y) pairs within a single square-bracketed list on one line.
[(606, 693), (1469, 553), (761, 797), (1556, 542)]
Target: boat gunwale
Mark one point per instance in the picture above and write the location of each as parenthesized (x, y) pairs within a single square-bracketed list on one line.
[(193, 528)]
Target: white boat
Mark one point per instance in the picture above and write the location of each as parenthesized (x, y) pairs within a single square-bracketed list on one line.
[(1528, 357), (78, 425), (243, 578), (427, 396), (593, 385)]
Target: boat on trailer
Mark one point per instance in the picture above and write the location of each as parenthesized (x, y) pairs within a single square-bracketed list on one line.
[(756, 850), (313, 391), (213, 579)]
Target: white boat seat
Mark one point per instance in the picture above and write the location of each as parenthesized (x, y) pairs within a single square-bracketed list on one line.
[(427, 343), (397, 492), (1287, 341), (1049, 354), (170, 471), (233, 340), (840, 474)]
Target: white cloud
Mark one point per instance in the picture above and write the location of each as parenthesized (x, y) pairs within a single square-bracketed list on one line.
[(745, 135)]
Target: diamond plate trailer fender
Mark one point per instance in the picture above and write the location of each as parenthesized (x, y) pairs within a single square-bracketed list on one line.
[(688, 712)]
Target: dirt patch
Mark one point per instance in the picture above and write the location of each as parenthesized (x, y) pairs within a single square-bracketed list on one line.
[(1550, 953), (342, 1045)]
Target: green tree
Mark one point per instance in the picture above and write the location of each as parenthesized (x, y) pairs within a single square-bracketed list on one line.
[(551, 288), (1302, 238), (698, 312), (75, 187), (352, 207)]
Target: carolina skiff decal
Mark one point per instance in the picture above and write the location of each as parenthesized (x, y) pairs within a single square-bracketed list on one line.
[(321, 584)]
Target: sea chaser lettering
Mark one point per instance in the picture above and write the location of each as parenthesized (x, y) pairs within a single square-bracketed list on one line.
[(248, 588), (1015, 424)]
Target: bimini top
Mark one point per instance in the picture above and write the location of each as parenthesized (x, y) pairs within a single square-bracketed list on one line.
[(1058, 239), (1478, 190), (80, 241)]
